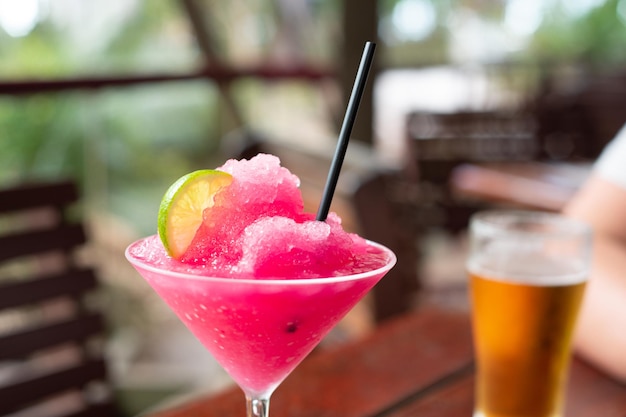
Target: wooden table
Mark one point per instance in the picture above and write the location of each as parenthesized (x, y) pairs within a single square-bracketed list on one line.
[(417, 365)]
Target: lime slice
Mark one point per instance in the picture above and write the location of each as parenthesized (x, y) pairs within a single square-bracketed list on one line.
[(180, 212)]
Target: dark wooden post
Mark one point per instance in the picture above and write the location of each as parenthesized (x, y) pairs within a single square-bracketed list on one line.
[(206, 43), (360, 22)]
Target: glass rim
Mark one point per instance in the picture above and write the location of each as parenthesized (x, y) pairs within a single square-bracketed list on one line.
[(391, 261), (504, 220)]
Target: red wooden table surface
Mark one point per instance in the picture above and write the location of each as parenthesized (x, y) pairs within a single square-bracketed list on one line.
[(416, 365)]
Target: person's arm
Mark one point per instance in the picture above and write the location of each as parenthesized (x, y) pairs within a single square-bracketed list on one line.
[(601, 330)]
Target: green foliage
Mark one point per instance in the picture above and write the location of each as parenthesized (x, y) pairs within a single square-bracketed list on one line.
[(115, 139), (596, 38), (39, 138), (147, 134), (153, 32), (40, 54)]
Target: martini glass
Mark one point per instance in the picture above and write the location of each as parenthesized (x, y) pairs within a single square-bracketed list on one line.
[(259, 330)]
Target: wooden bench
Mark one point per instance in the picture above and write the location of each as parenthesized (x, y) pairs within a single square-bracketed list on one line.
[(51, 358), (438, 143), (365, 201)]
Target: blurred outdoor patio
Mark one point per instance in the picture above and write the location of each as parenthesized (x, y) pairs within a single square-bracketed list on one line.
[(125, 96)]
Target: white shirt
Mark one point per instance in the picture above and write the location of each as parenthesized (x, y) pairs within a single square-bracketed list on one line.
[(611, 165)]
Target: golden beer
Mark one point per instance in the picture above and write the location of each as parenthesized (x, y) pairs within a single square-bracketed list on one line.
[(527, 276), (522, 336)]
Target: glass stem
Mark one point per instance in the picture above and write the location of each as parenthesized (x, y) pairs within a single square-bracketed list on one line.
[(257, 407)]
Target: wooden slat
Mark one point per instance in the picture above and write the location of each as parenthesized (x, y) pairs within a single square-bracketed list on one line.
[(29, 196), (25, 342), (64, 237), (16, 395), (73, 282), (221, 73), (98, 410), (32, 386)]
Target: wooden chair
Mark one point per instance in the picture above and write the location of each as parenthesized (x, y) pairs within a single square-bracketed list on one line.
[(438, 143), (51, 361)]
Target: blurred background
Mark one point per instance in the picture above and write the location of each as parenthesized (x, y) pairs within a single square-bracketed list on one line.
[(125, 96)]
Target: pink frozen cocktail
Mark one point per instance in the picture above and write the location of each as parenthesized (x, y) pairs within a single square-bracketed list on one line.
[(261, 282)]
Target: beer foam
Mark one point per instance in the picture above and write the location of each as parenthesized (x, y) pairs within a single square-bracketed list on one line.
[(529, 268)]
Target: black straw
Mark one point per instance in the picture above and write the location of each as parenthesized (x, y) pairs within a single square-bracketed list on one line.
[(346, 129)]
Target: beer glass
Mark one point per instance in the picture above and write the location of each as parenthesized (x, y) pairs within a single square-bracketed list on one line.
[(527, 273)]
